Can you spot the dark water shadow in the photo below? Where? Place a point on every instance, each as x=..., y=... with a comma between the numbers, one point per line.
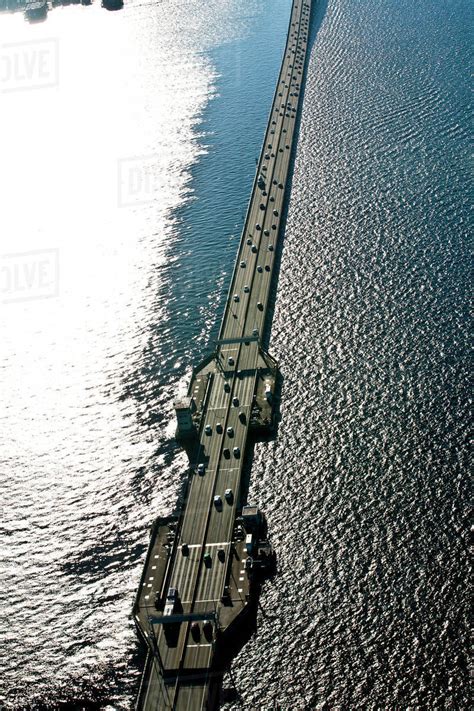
x=98, y=562
x=95, y=692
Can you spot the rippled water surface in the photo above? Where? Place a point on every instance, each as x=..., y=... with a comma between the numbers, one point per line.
x=131, y=174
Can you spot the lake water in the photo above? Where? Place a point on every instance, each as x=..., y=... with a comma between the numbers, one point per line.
x=128, y=148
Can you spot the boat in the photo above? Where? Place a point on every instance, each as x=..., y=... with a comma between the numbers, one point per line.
x=36, y=10
x=112, y=4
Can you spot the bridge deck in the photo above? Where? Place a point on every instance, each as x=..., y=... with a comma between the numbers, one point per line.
x=205, y=528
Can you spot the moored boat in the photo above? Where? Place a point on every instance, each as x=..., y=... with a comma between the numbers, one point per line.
x=36, y=10
x=112, y=4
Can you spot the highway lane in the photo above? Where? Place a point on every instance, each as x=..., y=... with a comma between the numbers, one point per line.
x=221, y=522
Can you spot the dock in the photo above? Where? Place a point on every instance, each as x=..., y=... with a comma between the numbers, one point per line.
x=204, y=567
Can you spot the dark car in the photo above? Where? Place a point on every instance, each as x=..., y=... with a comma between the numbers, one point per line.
x=207, y=629
x=195, y=631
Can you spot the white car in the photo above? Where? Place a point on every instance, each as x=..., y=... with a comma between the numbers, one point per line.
x=228, y=495
x=217, y=502
x=201, y=469
x=230, y=431
x=208, y=429
x=171, y=601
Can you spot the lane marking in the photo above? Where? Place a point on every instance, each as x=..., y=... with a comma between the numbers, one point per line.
x=193, y=646
x=213, y=600
x=207, y=545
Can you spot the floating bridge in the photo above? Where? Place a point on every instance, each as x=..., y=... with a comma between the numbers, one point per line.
x=202, y=568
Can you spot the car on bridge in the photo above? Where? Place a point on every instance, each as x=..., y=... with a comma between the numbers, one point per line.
x=195, y=631
x=172, y=600
x=207, y=629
